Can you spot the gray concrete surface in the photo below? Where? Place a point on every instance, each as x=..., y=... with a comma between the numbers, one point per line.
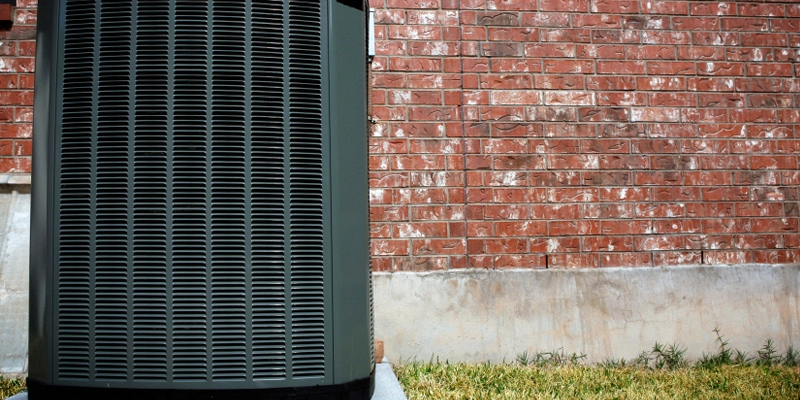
x=14, y=239
x=495, y=315
x=386, y=385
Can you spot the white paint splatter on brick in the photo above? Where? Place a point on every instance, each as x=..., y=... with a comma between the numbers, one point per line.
x=401, y=97
x=410, y=231
x=553, y=245
x=376, y=195
x=510, y=179
x=729, y=83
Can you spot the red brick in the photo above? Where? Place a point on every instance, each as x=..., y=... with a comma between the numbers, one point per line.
x=666, y=37
x=665, y=7
x=707, y=178
x=777, y=256
x=771, y=69
x=507, y=65
x=550, y=50
x=759, y=209
x=764, y=39
x=625, y=194
x=621, y=67
x=658, y=83
x=701, y=53
x=636, y=227
x=574, y=228
x=676, y=194
x=715, y=38
x=553, y=20
x=520, y=261
x=773, y=162
x=745, y=24
x=673, y=99
x=573, y=261
x=607, y=21
x=660, y=210
x=564, y=5
x=711, y=84
x=677, y=226
x=768, y=10
x=493, y=81
x=521, y=229
x=726, y=194
x=623, y=162
x=608, y=211
x=608, y=243
x=568, y=67
x=606, y=36
x=560, y=211
x=720, y=69
x=672, y=130
x=512, y=34
x=562, y=82
x=664, y=259
x=659, y=243
x=727, y=257
x=615, y=6
x=413, y=3
x=671, y=68
x=761, y=241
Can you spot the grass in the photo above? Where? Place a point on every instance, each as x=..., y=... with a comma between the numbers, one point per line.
x=10, y=387
x=662, y=372
x=514, y=381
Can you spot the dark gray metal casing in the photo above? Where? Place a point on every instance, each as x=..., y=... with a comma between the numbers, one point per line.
x=135, y=332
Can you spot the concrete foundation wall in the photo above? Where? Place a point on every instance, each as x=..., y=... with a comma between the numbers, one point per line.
x=15, y=214
x=604, y=313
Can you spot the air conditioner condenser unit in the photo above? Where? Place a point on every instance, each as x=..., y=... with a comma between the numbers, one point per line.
x=200, y=201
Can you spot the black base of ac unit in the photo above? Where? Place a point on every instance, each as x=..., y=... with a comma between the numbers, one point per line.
x=356, y=390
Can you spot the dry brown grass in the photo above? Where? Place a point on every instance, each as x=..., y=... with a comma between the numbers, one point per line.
x=10, y=387
x=463, y=381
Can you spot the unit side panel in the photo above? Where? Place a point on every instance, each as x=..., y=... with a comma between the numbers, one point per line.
x=40, y=328
x=349, y=191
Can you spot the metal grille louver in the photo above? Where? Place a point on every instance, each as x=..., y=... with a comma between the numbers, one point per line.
x=190, y=195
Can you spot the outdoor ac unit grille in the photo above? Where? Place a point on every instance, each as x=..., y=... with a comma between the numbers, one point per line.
x=189, y=194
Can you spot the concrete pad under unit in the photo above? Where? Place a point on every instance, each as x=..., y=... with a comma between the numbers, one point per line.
x=475, y=316
x=386, y=385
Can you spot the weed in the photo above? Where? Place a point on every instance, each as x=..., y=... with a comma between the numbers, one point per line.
x=741, y=358
x=724, y=356
x=642, y=360
x=523, y=359
x=768, y=356
x=614, y=363
x=792, y=358
x=557, y=358
x=668, y=357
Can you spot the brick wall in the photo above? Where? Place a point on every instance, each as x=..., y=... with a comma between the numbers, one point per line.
x=559, y=133
x=584, y=133
x=17, y=51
